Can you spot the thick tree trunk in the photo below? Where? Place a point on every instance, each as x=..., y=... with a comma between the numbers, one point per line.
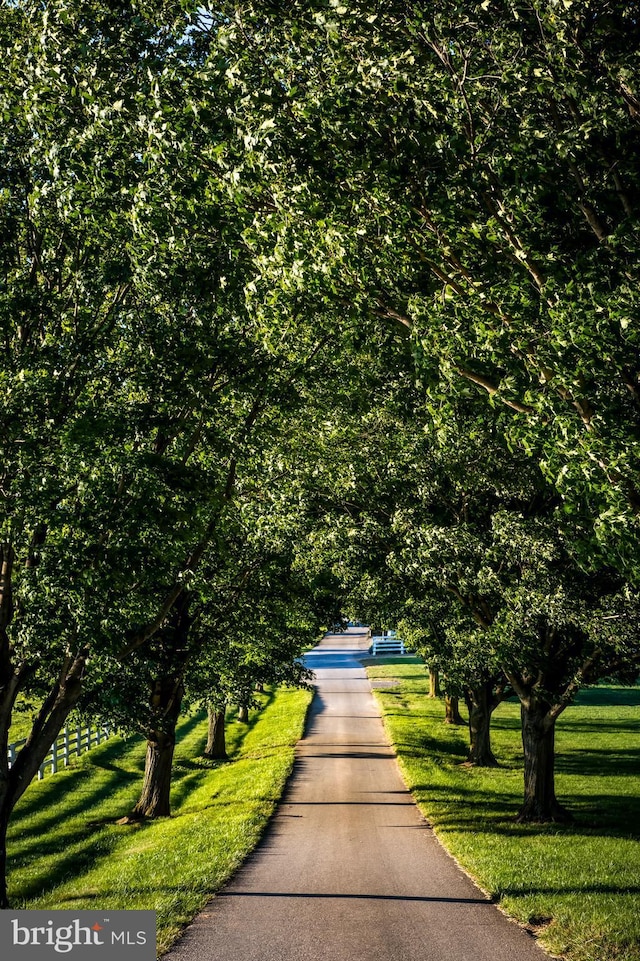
x=166, y=703
x=48, y=723
x=538, y=741
x=434, y=683
x=155, y=798
x=452, y=710
x=216, y=749
x=481, y=706
x=243, y=713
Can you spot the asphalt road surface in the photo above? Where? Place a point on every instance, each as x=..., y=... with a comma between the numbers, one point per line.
x=349, y=870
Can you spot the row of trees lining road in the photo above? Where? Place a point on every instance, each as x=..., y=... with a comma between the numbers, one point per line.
x=313, y=294
x=466, y=548
x=488, y=179
x=143, y=504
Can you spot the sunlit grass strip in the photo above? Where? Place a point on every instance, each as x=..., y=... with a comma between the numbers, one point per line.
x=67, y=851
x=577, y=887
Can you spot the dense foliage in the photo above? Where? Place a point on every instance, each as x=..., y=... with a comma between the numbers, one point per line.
x=308, y=301
x=486, y=164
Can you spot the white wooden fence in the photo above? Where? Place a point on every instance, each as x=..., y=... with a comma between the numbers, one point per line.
x=73, y=740
x=387, y=643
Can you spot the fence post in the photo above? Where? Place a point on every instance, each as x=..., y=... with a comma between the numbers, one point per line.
x=63, y=747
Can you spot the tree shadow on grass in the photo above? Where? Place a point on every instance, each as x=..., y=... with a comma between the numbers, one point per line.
x=602, y=815
x=609, y=696
x=52, y=789
x=477, y=810
x=185, y=785
x=237, y=731
x=25, y=840
x=184, y=729
x=74, y=854
x=147, y=889
x=189, y=773
x=64, y=843
x=599, y=727
x=71, y=857
x=438, y=749
x=610, y=816
x=506, y=722
x=587, y=762
x=70, y=797
x=74, y=843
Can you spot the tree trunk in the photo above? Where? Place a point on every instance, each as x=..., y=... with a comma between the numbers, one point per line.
x=243, y=713
x=452, y=710
x=4, y=824
x=538, y=741
x=52, y=715
x=481, y=706
x=166, y=703
x=155, y=798
x=434, y=683
x=216, y=749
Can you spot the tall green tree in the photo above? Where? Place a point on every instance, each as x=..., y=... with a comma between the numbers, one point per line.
x=467, y=547
x=140, y=359
x=487, y=162
x=83, y=413
x=132, y=372
x=486, y=158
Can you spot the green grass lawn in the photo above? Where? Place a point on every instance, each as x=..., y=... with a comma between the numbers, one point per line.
x=66, y=850
x=578, y=887
x=24, y=713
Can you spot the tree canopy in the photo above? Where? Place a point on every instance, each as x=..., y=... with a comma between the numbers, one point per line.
x=306, y=302
x=486, y=157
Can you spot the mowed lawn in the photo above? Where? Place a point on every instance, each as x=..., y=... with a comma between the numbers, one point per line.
x=577, y=887
x=67, y=851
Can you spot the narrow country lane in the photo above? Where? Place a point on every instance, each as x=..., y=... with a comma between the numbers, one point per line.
x=349, y=870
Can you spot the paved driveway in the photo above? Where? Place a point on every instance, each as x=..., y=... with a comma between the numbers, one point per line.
x=349, y=870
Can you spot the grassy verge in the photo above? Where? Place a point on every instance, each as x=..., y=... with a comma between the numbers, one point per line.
x=66, y=851
x=577, y=887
